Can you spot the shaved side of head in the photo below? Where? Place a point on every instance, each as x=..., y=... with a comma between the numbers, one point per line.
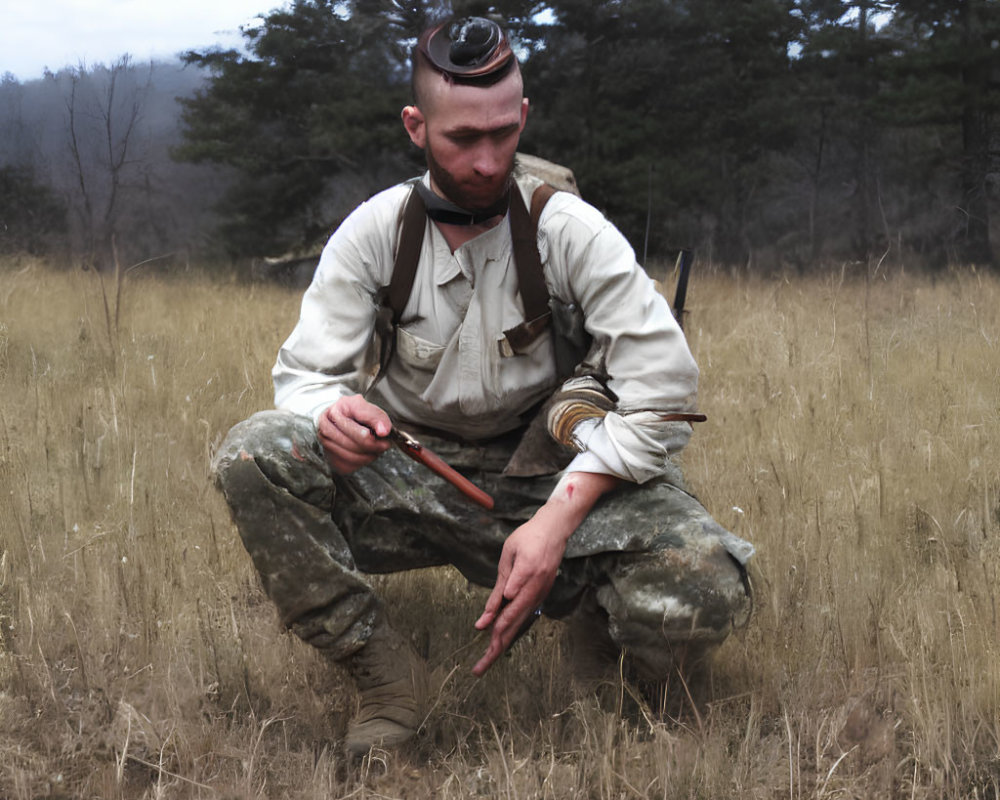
x=426, y=81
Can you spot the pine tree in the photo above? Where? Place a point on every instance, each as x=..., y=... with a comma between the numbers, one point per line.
x=949, y=77
x=316, y=98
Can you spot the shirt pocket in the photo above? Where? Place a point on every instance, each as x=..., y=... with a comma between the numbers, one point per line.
x=524, y=378
x=416, y=352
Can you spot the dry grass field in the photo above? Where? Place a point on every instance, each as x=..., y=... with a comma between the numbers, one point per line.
x=853, y=436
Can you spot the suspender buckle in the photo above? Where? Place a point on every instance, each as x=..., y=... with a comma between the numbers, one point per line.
x=517, y=339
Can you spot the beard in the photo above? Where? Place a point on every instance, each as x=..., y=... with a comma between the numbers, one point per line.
x=474, y=199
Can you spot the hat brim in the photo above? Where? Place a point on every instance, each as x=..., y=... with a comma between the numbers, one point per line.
x=436, y=46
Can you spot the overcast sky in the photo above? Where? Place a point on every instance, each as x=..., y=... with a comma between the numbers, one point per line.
x=35, y=34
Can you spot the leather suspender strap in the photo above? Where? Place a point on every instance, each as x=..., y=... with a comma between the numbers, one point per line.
x=404, y=269
x=538, y=200
x=530, y=276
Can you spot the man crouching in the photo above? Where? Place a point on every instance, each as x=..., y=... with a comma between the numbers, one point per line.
x=475, y=308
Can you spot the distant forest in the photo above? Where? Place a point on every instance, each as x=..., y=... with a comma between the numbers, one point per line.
x=763, y=134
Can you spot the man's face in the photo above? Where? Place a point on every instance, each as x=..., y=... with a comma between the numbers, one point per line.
x=469, y=135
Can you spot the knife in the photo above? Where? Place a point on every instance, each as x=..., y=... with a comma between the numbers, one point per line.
x=436, y=464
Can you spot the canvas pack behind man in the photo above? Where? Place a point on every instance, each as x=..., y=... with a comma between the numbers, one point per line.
x=503, y=326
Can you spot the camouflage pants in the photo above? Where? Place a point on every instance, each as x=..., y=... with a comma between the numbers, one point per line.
x=663, y=573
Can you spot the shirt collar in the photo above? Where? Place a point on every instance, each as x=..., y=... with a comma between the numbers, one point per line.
x=490, y=245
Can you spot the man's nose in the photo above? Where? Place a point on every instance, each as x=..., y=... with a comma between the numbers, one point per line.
x=487, y=161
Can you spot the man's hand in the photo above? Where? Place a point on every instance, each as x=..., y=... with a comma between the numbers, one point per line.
x=528, y=565
x=352, y=432
x=531, y=557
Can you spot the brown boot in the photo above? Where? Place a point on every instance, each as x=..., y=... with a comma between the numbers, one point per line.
x=392, y=680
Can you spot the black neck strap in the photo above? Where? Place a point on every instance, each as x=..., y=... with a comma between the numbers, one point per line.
x=446, y=212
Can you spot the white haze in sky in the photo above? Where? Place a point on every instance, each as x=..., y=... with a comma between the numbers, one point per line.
x=35, y=34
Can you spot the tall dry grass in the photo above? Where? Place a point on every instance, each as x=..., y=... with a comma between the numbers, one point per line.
x=852, y=435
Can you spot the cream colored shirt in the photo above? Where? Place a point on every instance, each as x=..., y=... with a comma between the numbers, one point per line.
x=448, y=371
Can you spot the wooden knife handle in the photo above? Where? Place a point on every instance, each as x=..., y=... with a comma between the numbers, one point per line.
x=436, y=464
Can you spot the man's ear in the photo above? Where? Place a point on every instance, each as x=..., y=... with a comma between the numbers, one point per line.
x=416, y=125
x=524, y=111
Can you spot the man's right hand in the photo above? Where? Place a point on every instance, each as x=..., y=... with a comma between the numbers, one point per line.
x=352, y=432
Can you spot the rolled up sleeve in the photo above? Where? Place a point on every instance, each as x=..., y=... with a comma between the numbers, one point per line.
x=646, y=357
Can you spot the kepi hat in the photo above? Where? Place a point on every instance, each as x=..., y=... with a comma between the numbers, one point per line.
x=470, y=49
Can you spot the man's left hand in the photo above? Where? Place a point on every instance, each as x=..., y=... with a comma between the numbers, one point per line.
x=531, y=557
x=528, y=565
